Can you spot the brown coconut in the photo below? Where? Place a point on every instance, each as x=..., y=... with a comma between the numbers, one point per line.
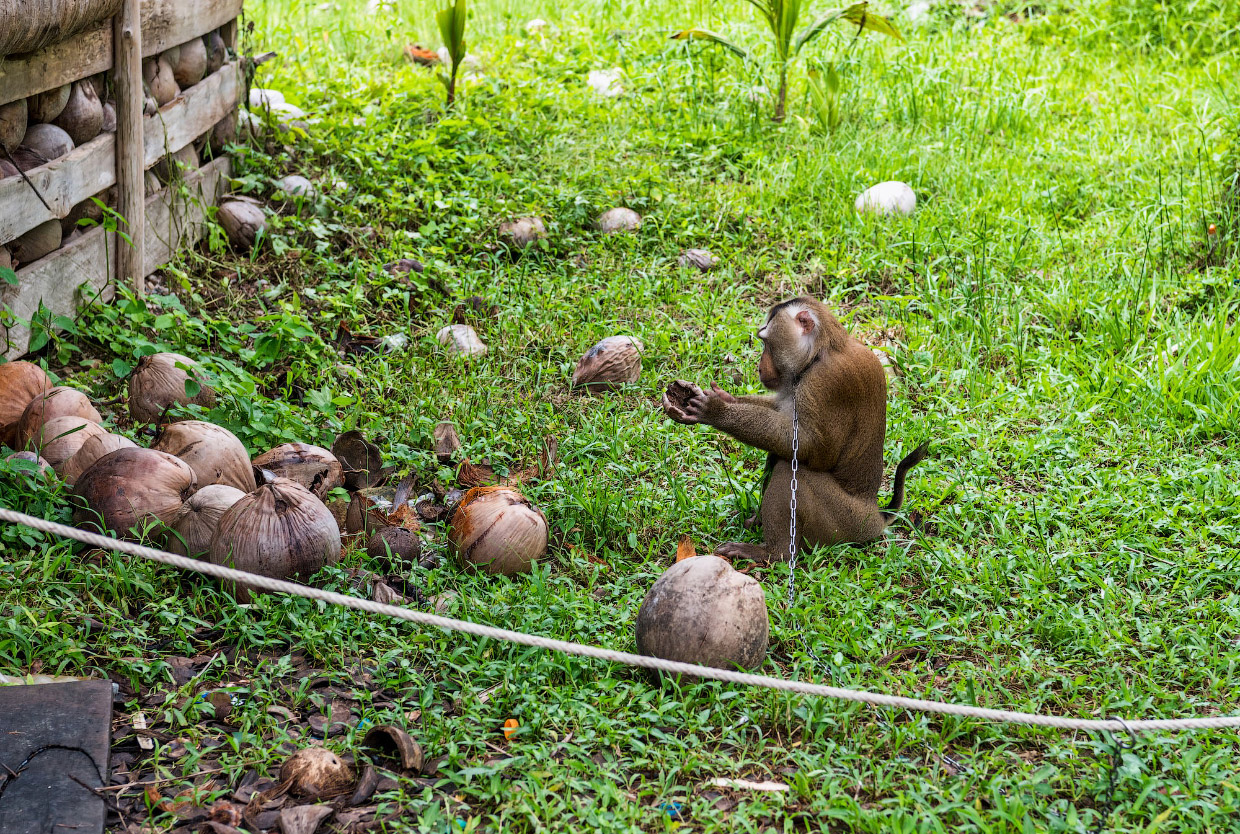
x=177, y=165
x=217, y=51
x=7, y=169
x=82, y=117
x=59, y=439
x=522, y=232
x=87, y=210
x=279, y=530
x=191, y=63
x=93, y=448
x=400, y=544
x=109, y=117
x=60, y=401
x=158, y=80
x=20, y=383
x=498, y=530
x=131, y=487
x=617, y=220
x=190, y=533
x=46, y=106
x=316, y=773
x=39, y=241
x=37, y=464
x=12, y=124
x=224, y=133
x=213, y=452
x=702, y=611
x=48, y=141
x=242, y=221
x=313, y=467
x=611, y=363
x=158, y=383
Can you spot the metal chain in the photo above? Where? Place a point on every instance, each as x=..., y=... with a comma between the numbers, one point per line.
x=1117, y=753
x=792, y=515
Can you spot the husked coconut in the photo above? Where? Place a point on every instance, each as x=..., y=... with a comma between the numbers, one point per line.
x=109, y=117
x=176, y=165
x=522, y=232
x=39, y=241
x=20, y=383
x=33, y=463
x=619, y=220
x=60, y=401
x=190, y=533
x=131, y=487
x=158, y=79
x=461, y=340
x=316, y=773
x=313, y=467
x=159, y=381
x=82, y=117
x=12, y=124
x=295, y=185
x=498, y=530
x=401, y=544
x=93, y=448
x=213, y=452
x=50, y=141
x=190, y=64
x=702, y=611
x=46, y=106
x=59, y=439
x=217, y=51
x=223, y=134
x=242, y=222
x=611, y=363
x=892, y=197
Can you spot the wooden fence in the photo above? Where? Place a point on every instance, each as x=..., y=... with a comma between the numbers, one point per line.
x=158, y=218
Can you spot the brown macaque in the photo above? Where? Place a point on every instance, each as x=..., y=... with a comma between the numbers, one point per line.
x=840, y=395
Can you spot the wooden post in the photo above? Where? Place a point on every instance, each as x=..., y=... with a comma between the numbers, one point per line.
x=130, y=186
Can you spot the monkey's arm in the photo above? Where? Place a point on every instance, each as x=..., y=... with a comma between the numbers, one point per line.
x=760, y=426
x=764, y=400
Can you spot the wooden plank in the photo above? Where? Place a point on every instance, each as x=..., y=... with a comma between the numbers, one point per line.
x=54, y=716
x=190, y=114
x=173, y=221
x=91, y=168
x=64, y=183
x=165, y=23
x=168, y=23
x=130, y=132
x=80, y=56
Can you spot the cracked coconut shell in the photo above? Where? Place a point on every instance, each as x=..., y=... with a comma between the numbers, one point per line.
x=313, y=467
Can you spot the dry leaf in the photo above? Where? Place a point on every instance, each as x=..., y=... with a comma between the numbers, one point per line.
x=385, y=595
x=472, y=475
x=685, y=550
x=446, y=441
x=304, y=819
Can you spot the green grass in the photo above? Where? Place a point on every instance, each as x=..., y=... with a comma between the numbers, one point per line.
x=1066, y=334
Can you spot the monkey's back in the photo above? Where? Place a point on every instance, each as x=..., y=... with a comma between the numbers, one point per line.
x=853, y=408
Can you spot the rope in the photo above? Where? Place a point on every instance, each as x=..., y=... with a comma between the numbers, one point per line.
x=642, y=661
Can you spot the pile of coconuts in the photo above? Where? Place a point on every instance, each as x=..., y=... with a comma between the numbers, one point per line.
x=49, y=125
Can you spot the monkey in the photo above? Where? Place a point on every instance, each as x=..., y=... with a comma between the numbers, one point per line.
x=839, y=391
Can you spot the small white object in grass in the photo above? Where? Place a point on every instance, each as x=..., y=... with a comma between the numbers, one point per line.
x=918, y=11
x=393, y=342
x=536, y=25
x=261, y=97
x=700, y=258
x=461, y=340
x=139, y=723
x=606, y=83
x=758, y=94
x=470, y=65
x=297, y=186
x=376, y=6
x=746, y=785
x=891, y=197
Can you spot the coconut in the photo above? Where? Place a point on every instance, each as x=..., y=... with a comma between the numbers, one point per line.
x=131, y=487
x=158, y=80
x=279, y=530
x=224, y=133
x=400, y=544
x=49, y=141
x=242, y=221
x=33, y=464
x=892, y=197
x=461, y=340
x=213, y=452
x=700, y=258
x=611, y=363
x=20, y=383
x=7, y=169
x=190, y=64
x=82, y=117
x=190, y=533
x=27, y=159
x=176, y=165
x=60, y=438
x=217, y=51
x=12, y=124
x=619, y=220
x=522, y=232
x=108, y=125
x=46, y=106
x=86, y=210
x=39, y=241
x=498, y=530
x=60, y=401
x=313, y=467
x=316, y=773
x=151, y=183
x=158, y=383
x=296, y=186
x=702, y=611
x=93, y=448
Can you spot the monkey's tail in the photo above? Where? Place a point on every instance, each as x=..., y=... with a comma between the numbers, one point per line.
x=897, y=494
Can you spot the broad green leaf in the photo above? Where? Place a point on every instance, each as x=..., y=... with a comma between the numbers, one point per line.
x=856, y=13
x=704, y=35
x=192, y=388
x=8, y=276
x=818, y=27
x=121, y=368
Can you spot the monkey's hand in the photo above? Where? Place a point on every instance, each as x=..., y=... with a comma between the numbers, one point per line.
x=679, y=401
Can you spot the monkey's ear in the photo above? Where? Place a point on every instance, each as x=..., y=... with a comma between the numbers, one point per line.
x=807, y=321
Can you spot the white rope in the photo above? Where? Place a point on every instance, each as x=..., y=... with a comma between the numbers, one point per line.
x=674, y=667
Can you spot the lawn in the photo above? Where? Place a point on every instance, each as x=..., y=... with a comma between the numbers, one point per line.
x=1061, y=312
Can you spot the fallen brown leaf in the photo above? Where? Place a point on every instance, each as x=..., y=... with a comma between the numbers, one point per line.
x=685, y=550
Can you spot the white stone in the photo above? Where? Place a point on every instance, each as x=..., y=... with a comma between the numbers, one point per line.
x=536, y=25
x=297, y=186
x=260, y=97
x=606, y=83
x=461, y=340
x=891, y=197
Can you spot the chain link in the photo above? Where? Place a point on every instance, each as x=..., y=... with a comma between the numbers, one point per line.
x=792, y=515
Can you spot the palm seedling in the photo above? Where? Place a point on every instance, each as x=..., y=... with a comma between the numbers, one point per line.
x=452, y=28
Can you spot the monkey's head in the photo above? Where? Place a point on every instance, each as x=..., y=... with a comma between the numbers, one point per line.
x=793, y=335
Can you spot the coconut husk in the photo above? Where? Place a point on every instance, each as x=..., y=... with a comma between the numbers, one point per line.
x=28, y=25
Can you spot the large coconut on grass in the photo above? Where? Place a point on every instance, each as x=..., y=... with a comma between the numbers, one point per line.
x=498, y=530
x=702, y=611
x=279, y=530
x=130, y=488
x=611, y=363
x=191, y=532
x=93, y=448
x=20, y=383
x=160, y=380
x=213, y=452
x=59, y=439
x=60, y=401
